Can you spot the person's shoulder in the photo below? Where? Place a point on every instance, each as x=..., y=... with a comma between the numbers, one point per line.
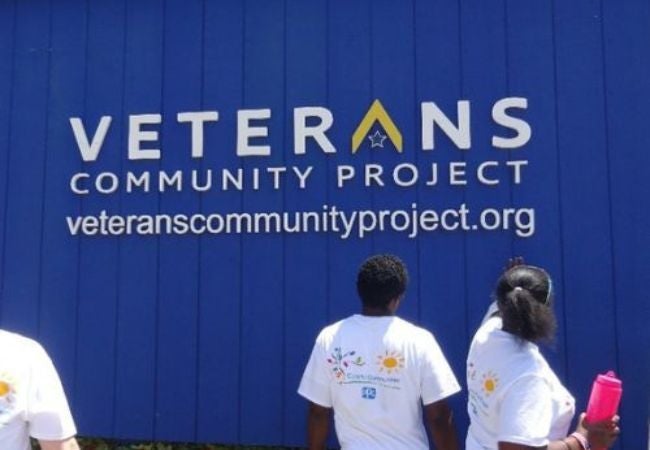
x=21, y=344
x=537, y=361
x=18, y=339
x=490, y=335
x=329, y=331
x=516, y=353
x=491, y=343
x=413, y=331
x=489, y=327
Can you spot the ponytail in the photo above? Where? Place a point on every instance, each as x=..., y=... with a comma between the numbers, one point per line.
x=523, y=294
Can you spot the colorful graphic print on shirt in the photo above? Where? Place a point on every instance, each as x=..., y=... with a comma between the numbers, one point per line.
x=350, y=368
x=489, y=382
x=390, y=361
x=342, y=361
x=478, y=398
x=7, y=396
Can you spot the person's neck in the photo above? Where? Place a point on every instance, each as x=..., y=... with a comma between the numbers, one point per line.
x=376, y=312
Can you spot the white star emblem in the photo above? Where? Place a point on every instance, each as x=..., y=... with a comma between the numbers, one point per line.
x=377, y=139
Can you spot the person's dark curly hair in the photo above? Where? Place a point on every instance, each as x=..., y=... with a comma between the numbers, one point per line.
x=381, y=278
x=523, y=294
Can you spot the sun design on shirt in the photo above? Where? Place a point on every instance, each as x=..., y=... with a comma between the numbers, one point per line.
x=7, y=392
x=390, y=361
x=489, y=382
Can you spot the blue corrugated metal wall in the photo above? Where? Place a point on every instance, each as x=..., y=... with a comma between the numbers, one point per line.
x=190, y=338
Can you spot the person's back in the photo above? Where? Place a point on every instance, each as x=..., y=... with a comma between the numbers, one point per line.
x=498, y=365
x=516, y=402
x=32, y=402
x=377, y=366
x=376, y=371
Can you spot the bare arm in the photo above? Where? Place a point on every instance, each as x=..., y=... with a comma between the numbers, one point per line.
x=555, y=445
x=66, y=444
x=599, y=435
x=440, y=422
x=317, y=426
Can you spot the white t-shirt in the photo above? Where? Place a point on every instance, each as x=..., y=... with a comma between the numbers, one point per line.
x=376, y=372
x=32, y=401
x=514, y=396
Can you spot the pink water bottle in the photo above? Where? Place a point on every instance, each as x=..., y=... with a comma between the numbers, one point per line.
x=605, y=397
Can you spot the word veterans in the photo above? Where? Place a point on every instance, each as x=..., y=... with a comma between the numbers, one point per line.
x=309, y=122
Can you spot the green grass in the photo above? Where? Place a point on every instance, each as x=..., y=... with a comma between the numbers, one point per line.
x=104, y=444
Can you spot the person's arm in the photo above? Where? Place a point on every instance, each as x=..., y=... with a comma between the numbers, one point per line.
x=48, y=415
x=66, y=444
x=318, y=418
x=315, y=388
x=598, y=435
x=555, y=445
x=440, y=422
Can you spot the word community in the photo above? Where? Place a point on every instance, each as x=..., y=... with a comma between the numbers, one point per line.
x=457, y=173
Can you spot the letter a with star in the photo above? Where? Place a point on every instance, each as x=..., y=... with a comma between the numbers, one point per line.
x=376, y=113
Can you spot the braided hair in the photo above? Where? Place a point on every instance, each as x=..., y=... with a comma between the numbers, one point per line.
x=523, y=294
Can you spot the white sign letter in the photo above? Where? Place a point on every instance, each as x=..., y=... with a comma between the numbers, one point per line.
x=460, y=134
x=302, y=131
x=136, y=136
x=74, y=183
x=344, y=173
x=196, y=119
x=245, y=131
x=520, y=126
x=90, y=150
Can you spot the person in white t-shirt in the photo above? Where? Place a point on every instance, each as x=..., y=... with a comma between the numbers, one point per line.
x=516, y=401
x=32, y=401
x=376, y=371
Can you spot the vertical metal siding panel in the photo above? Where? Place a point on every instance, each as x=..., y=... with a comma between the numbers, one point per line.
x=98, y=271
x=588, y=291
x=531, y=75
x=441, y=261
x=179, y=317
x=350, y=97
x=25, y=170
x=135, y=381
x=179, y=264
x=306, y=257
x=627, y=70
x=484, y=81
x=261, y=387
x=392, y=78
x=220, y=264
x=7, y=37
x=60, y=253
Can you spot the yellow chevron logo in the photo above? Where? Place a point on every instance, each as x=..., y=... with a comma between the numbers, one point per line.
x=376, y=113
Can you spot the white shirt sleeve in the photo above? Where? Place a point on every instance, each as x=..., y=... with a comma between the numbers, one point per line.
x=315, y=383
x=526, y=412
x=437, y=378
x=48, y=414
x=493, y=308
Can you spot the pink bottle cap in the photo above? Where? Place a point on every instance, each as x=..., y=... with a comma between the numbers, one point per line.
x=609, y=379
